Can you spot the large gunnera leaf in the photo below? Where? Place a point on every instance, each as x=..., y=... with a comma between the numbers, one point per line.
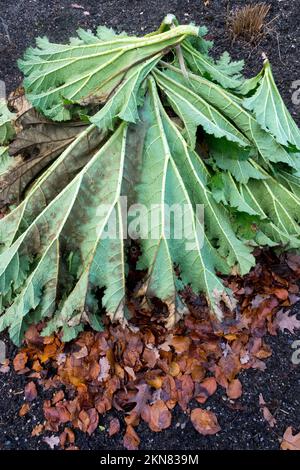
x=57, y=74
x=168, y=178
x=183, y=154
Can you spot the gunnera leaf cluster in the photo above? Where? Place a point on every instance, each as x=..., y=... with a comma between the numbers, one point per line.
x=158, y=120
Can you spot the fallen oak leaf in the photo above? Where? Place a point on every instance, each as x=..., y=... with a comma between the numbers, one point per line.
x=36, y=366
x=284, y=321
x=49, y=351
x=205, y=422
x=30, y=391
x=290, y=441
x=141, y=399
x=266, y=412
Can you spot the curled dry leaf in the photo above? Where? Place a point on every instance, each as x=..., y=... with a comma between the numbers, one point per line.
x=284, y=321
x=157, y=416
x=290, y=441
x=88, y=420
x=30, y=391
x=205, y=389
x=114, y=427
x=174, y=369
x=58, y=396
x=20, y=361
x=205, y=422
x=67, y=437
x=234, y=389
x=24, y=409
x=131, y=440
x=181, y=344
x=37, y=430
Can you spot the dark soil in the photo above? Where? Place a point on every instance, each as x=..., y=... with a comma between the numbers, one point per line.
x=242, y=424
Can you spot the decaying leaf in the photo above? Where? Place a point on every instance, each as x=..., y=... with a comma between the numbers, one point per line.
x=205, y=389
x=131, y=440
x=205, y=422
x=24, y=409
x=114, y=427
x=37, y=430
x=157, y=416
x=20, y=361
x=288, y=322
x=30, y=391
x=67, y=437
x=234, y=389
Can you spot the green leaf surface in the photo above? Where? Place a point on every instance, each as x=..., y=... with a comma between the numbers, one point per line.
x=77, y=71
x=271, y=112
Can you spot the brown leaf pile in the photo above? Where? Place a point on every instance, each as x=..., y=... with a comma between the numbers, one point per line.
x=145, y=370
